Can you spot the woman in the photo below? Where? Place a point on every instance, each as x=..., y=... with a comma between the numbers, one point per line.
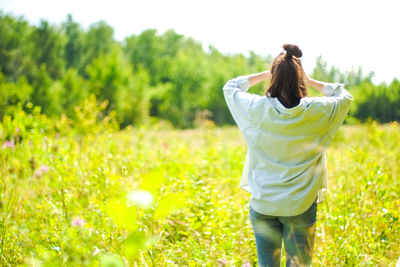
x=285, y=171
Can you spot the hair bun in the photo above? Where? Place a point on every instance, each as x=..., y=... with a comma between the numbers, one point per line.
x=292, y=50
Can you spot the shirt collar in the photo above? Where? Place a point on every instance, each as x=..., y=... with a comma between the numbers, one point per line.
x=284, y=110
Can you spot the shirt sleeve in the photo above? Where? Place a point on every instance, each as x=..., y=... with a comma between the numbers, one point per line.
x=340, y=101
x=240, y=103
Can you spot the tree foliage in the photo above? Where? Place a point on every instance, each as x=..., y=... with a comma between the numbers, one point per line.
x=146, y=77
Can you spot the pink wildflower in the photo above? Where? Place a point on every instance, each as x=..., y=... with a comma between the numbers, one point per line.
x=44, y=168
x=8, y=144
x=247, y=264
x=77, y=222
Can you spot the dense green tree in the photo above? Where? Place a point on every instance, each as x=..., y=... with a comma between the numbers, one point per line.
x=144, y=50
x=74, y=47
x=186, y=95
x=75, y=91
x=97, y=41
x=46, y=94
x=380, y=102
x=49, y=48
x=111, y=78
x=148, y=51
x=106, y=76
x=16, y=48
x=133, y=100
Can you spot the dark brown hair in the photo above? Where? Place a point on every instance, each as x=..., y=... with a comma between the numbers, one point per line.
x=287, y=81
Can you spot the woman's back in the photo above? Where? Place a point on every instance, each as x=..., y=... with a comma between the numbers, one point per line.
x=285, y=164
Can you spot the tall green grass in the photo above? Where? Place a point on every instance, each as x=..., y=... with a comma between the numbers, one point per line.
x=154, y=197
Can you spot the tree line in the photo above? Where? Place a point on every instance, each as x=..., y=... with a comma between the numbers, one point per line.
x=145, y=77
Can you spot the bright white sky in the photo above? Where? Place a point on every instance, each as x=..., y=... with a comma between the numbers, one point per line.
x=347, y=33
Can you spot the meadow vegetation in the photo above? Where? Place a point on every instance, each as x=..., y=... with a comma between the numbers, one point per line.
x=155, y=196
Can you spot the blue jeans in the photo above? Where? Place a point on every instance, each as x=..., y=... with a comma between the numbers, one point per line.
x=297, y=232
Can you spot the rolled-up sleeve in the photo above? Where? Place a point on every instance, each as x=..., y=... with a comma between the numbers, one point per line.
x=240, y=103
x=340, y=100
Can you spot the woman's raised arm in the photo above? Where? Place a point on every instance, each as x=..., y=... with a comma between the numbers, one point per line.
x=259, y=77
x=314, y=83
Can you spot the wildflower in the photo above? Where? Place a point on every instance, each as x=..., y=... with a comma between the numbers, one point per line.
x=77, y=222
x=247, y=264
x=42, y=170
x=8, y=144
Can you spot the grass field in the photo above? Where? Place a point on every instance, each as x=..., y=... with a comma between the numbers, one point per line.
x=151, y=197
